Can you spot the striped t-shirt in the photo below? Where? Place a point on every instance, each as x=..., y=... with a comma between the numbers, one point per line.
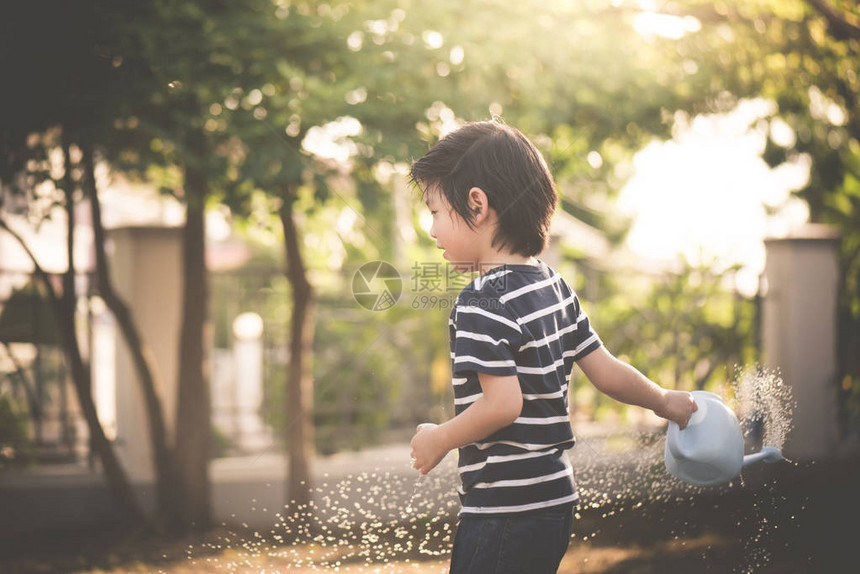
x=521, y=320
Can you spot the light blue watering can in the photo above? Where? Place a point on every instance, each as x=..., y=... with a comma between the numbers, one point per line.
x=710, y=450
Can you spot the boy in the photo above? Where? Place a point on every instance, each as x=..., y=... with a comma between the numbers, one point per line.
x=515, y=332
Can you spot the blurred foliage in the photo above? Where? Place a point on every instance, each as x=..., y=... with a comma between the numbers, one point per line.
x=16, y=448
x=370, y=363
x=687, y=330
x=373, y=370
x=222, y=445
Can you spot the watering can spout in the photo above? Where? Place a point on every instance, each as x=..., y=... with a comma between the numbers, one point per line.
x=766, y=454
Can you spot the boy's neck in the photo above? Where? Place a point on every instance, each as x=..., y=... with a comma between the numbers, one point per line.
x=499, y=259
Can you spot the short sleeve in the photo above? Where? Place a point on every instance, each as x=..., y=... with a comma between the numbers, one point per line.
x=486, y=336
x=584, y=339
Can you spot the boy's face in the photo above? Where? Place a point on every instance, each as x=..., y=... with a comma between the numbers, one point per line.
x=452, y=234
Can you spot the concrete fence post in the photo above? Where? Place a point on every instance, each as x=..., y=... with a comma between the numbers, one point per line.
x=799, y=333
x=146, y=264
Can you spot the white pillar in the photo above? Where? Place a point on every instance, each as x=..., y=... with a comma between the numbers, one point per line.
x=799, y=334
x=146, y=263
x=252, y=434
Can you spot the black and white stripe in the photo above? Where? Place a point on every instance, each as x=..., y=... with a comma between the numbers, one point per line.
x=526, y=321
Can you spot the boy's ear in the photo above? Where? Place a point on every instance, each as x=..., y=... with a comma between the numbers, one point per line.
x=478, y=204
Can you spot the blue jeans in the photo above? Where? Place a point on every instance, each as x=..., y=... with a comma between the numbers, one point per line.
x=533, y=543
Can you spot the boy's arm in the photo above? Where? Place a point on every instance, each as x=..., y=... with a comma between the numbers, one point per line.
x=624, y=383
x=498, y=406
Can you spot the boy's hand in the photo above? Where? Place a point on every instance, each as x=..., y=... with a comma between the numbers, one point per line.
x=427, y=448
x=677, y=407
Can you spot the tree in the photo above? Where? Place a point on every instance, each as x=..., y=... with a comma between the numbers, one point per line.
x=301, y=85
x=106, y=75
x=48, y=115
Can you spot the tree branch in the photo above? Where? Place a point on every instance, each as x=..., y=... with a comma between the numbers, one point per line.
x=26, y=380
x=39, y=272
x=840, y=27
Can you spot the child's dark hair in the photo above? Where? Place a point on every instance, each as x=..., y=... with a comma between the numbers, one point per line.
x=501, y=161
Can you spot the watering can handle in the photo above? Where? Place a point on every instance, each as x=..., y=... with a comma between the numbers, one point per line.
x=673, y=437
x=672, y=440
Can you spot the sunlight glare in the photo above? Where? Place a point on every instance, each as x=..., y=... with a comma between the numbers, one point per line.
x=702, y=195
x=425, y=220
x=332, y=141
x=433, y=39
x=457, y=55
x=218, y=226
x=823, y=108
x=651, y=24
x=443, y=116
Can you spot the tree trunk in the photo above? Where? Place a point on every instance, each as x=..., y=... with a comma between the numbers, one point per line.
x=193, y=427
x=115, y=476
x=299, y=429
x=144, y=361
